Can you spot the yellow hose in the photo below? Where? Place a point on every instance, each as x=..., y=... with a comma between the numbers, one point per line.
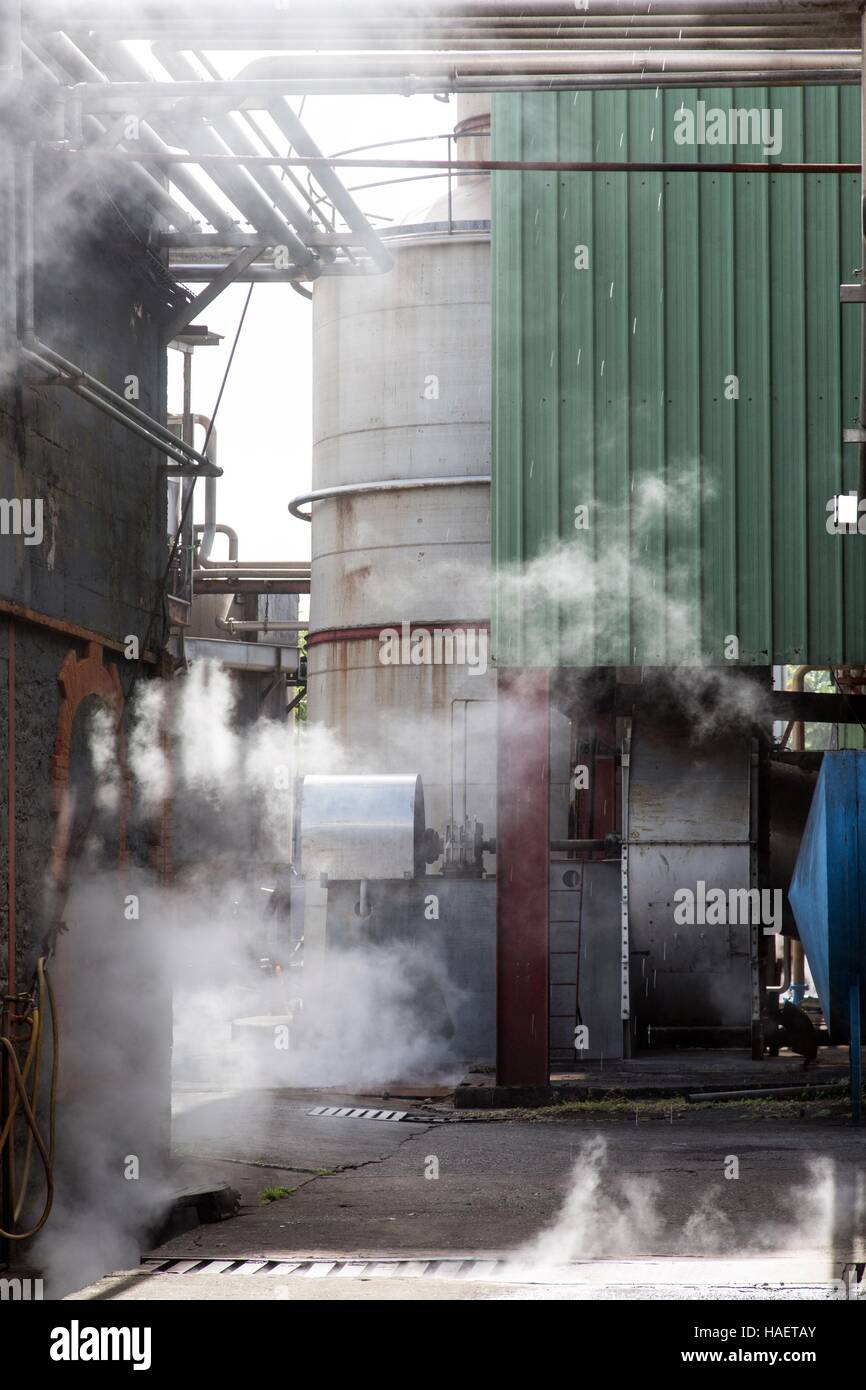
x=28, y=1103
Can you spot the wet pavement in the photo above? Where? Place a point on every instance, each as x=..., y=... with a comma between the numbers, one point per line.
x=734, y=1202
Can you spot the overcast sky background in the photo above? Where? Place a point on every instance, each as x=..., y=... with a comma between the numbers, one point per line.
x=264, y=421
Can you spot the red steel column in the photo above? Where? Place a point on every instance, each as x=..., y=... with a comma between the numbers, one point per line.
x=522, y=860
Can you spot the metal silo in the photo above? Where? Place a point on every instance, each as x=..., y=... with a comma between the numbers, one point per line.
x=402, y=407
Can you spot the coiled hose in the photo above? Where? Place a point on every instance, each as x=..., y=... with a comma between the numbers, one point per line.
x=28, y=1101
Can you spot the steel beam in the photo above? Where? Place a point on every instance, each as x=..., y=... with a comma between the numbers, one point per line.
x=187, y=312
x=522, y=872
x=263, y=658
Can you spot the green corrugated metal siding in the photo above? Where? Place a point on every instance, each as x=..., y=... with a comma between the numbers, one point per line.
x=707, y=516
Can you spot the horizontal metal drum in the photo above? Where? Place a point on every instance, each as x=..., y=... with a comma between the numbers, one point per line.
x=362, y=827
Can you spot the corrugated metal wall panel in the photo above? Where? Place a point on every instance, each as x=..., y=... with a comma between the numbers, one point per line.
x=707, y=516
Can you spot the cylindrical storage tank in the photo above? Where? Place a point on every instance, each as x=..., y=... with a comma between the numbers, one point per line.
x=402, y=394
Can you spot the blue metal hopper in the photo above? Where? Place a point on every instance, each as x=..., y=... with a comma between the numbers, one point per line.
x=828, y=896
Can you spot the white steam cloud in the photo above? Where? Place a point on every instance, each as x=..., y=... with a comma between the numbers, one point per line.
x=208, y=936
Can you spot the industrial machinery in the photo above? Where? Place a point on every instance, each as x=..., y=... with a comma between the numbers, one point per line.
x=364, y=851
x=827, y=896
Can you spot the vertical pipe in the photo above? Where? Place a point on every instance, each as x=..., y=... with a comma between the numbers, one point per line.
x=11, y=979
x=522, y=873
x=11, y=867
x=861, y=472
x=8, y=262
x=187, y=484
x=10, y=42
x=855, y=1058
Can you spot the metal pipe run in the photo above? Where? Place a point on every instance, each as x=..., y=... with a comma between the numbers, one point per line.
x=238, y=141
x=260, y=18
x=598, y=35
x=72, y=59
x=207, y=583
x=277, y=568
x=268, y=79
x=195, y=272
x=185, y=128
x=222, y=530
x=383, y=485
x=180, y=455
x=234, y=625
x=423, y=65
x=262, y=197
x=286, y=120
x=99, y=395
x=208, y=531
x=480, y=166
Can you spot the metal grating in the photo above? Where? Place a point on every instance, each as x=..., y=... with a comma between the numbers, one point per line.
x=452, y=1267
x=361, y=1112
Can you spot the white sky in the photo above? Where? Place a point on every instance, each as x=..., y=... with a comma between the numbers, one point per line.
x=264, y=421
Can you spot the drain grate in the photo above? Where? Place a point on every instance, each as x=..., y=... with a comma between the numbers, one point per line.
x=453, y=1267
x=361, y=1112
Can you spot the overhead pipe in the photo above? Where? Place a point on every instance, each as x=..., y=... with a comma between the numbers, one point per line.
x=290, y=125
x=254, y=125
x=239, y=187
x=205, y=204
x=161, y=15
x=194, y=272
x=305, y=259
x=424, y=64
x=408, y=86
x=267, y=79
x=579, y=29
x=234, y=625
x=285, y=568
x=74, y=60
x=489, y=166
x=594, y=39
x=147, y=185
x=237, y=140
x=243, y=582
